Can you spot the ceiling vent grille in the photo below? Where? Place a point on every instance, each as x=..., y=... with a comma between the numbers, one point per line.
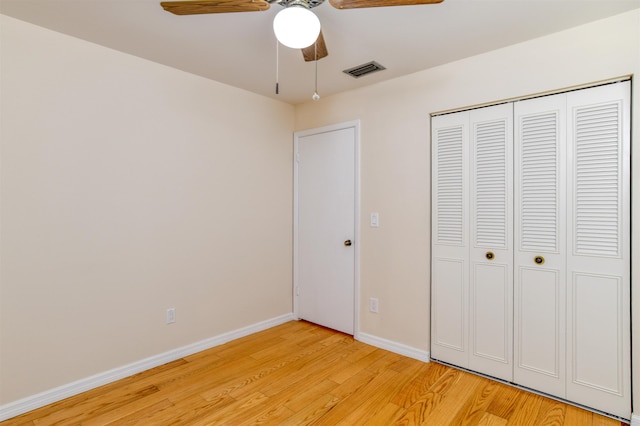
x=364, y=69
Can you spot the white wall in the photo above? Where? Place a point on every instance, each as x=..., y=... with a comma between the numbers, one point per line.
x=395, y=154
x=128, y=187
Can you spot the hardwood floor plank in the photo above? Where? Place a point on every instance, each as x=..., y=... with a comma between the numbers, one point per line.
x=473, y=411
x=405, y=364
x=143, y=415
x=262, y=408
x=505, y=402
x=409, y=366
x=202, y=378
x=18, y=421
x=313, y=412
x=527, y=410
x=599, y=420
x=312, y=374
x=311, y=334
x=359, y=406
x=421, y=382
x=382, y=363
x=550, y=413
x=116, y=390
x=417, y=412
x=198, y=373
x=96, y=406
x=353, y=384
x=299, y=369
x=273, y=415
x=489, y=419
x=248, y=344
x=308, y=395
x=275, y=348
x=272, y=371
x=446, y=381
x=359, y=350
x=303, y=374
x=379, y=399
x=456, y=398
x=385, y=416
x=432, y=392
x=351, y=368
x=231, y=413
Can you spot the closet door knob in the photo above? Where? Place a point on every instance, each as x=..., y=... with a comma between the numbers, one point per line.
x=489, y=255
x=539, y=260
x=347, y=243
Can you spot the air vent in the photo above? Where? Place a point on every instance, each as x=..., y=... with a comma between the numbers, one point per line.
x=364, y=69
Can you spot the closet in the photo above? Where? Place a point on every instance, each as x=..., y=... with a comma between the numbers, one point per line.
x=531, y=244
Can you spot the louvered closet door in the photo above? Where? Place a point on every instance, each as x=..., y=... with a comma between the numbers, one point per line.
x=450, y=236
x=598, y=261
x=491, y=249
x=533, y=285
x=539, y=264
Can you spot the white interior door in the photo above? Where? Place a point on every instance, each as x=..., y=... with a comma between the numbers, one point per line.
x=325, y=224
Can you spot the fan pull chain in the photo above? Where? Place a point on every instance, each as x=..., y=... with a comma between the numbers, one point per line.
x=277, y=67
x=315, y=96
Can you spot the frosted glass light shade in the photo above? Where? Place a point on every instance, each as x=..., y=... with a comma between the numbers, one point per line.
x=296, y=27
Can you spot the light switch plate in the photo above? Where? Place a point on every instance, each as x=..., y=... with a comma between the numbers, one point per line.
x=373, y=305
x=375, y=220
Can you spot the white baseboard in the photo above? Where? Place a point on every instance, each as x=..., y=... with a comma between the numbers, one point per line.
x=395, y=347
x=635, y=420
x=22, y=406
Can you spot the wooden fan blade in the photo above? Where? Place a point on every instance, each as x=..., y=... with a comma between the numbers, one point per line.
x=213, y=6
x=353, y=4
x=309, y=53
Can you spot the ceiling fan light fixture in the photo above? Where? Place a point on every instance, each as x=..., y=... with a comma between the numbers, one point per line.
x=296, y=27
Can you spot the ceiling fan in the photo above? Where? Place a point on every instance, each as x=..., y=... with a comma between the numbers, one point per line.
x=313, y=49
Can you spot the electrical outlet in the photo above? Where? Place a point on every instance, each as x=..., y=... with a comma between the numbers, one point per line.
x=373, y=305
x=171, y=315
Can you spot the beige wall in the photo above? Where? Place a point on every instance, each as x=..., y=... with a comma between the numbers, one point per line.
x=395, y=153
x=126, y=188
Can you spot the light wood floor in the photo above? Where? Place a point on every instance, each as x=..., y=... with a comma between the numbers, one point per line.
x=298, y=374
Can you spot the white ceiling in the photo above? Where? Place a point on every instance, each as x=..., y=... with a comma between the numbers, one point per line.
x=239, y=49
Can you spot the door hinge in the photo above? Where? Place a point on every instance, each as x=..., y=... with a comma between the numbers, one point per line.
x=297, y=291
x=297, y=157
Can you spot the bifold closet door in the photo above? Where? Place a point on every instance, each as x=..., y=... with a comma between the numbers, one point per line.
x=572, y=258
x=472, y=321
x=531, y=244
x=598, y=249
x=491, y=246
x=450, y=239
x=539, y=262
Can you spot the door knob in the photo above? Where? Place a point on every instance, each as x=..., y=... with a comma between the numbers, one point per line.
x=347, y=243
x=539, y=260
x=489, y=255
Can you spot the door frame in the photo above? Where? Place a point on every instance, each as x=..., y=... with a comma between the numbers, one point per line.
x=355, y=125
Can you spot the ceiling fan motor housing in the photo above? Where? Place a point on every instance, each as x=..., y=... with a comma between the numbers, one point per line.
x=309, y=4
